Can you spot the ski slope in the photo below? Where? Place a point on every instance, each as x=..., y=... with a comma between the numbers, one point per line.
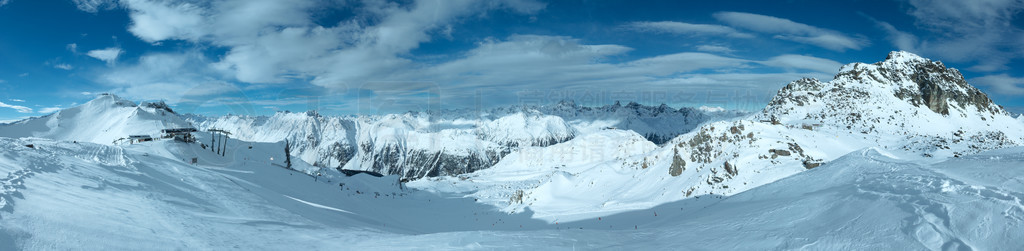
x=62, y=195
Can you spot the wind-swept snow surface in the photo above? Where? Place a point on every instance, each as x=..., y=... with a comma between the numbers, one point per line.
x=62, y=195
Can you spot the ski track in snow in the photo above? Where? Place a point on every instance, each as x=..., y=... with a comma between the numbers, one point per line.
x=317, y=205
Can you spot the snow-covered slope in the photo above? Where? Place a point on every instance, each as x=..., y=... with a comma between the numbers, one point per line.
x=102, y=121
x=62, y=195
x=867, y=200
x=906, y=105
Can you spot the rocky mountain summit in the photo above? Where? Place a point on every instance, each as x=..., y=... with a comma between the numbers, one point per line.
x=906, y=96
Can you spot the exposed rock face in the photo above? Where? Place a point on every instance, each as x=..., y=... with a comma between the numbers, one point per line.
x=335, y=153
x=938, y=87
x=810, y=164
x=731, y=169
x=418, y=163
x=678, y=165
x=160, y=105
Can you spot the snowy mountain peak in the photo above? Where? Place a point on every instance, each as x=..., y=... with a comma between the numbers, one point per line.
x=567, y=103
x=904, y=56
x=104, y=120
x=903, y=83
x=110, y=100
x=927, y=106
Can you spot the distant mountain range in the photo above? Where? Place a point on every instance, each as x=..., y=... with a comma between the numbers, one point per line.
x=420, y=144
x=906, y=104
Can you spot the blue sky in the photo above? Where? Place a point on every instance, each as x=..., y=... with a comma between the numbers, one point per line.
x=372, y=56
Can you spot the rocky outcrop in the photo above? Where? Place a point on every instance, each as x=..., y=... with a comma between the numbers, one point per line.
x=937, y=87
x=678, y=164
x=159, y=105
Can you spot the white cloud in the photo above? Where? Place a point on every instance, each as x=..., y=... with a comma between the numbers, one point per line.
x=376, y=51
x=529, y=60
x=902, y=40
x=72, y=47
x=788, y=30
x=684, y=62
x=48, y=110
x=672, y=27
x=272, y=41
x=93, y=6
x=714, y=48
x=1001, y=84
x=964, y=16
x=63, y=66
x=533, y=62
x=4, y=2
x=108, y=55
x=804, y=62
x=17, y=100
x=19, y=108
x=560, y=63
x=170, y=76
x=980, y=32
x=154, y=21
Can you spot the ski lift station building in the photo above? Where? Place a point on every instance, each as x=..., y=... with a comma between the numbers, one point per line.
x=180, y=134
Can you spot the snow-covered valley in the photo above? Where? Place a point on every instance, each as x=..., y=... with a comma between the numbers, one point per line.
x=899, y=154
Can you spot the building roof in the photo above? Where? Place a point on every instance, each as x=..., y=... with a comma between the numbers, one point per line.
x=179, y=130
